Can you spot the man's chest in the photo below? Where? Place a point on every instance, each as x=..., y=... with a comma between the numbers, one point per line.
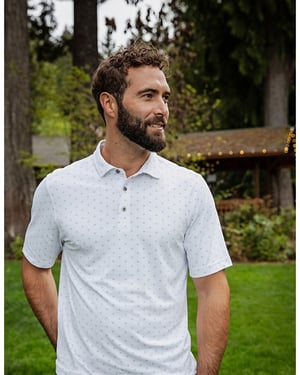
x=148, y=213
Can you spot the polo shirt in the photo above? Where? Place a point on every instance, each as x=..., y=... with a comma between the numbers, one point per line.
x=127, y=245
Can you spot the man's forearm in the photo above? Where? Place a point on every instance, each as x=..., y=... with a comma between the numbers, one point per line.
x=41, y=292
x=212, y=326
x=212, y=322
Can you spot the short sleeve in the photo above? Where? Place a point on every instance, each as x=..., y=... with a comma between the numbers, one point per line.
x=42, y=244
x=204, y=241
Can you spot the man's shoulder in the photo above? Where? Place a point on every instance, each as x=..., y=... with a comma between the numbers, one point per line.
x=78, y=169
x=178, y=170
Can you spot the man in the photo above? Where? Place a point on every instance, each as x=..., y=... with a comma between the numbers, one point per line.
x=130, y=225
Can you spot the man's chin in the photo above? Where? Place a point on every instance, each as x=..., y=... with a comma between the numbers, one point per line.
x=156, y=145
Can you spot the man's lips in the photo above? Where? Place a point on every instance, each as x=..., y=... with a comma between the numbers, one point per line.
x=157, y=123
x=157, y=126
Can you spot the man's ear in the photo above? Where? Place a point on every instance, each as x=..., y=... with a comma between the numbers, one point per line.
x=109, y=104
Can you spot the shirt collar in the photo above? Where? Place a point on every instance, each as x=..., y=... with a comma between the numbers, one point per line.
x=101, y=165
x=150, y=167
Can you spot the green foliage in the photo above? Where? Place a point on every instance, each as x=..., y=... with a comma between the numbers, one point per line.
x=46, y=85
x=191, y=111
x=62, y=104
x=79, y=109
x=260, y=234
x=230, y=184
x=26, y=158
x=234, y=42
x=15, y=250
x=29, y=161
x=50, y=60
x=44, y=170
x=251, y=24
x=43, y=46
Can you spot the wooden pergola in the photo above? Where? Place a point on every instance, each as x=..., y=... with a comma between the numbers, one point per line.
x=239, y=149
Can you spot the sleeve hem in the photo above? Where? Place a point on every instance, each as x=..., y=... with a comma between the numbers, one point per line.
x=210, y=269
x=39, y=264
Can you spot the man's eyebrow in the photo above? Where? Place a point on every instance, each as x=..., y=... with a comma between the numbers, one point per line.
x=154, y=91
x=147, y=90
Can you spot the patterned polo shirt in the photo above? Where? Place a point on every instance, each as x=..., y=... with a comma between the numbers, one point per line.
x=127, y=245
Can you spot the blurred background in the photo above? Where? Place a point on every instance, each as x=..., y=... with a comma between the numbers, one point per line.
x=232, y=119
x=232, y=80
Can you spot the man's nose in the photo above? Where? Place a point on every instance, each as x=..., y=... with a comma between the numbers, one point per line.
x=162, y=108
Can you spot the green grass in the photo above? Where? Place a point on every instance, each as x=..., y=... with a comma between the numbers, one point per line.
x=262, y=334
x=27, y=349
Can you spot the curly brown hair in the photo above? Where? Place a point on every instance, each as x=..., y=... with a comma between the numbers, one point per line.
x=111, y=73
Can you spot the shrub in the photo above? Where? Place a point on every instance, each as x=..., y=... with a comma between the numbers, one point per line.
x=15, y=250
x=260, y=234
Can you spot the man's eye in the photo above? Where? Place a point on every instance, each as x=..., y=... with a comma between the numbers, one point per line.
x=166, y=98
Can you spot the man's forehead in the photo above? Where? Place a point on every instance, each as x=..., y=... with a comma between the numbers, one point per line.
x=146, y=74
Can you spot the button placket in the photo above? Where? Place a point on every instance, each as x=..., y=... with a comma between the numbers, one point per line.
x=125, y=200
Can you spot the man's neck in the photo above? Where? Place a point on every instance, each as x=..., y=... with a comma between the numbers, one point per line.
x=125, y=155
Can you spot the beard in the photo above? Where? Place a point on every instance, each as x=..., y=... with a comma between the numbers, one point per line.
x=136, y=130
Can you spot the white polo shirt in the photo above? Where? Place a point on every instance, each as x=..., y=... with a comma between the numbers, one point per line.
x=127, y=245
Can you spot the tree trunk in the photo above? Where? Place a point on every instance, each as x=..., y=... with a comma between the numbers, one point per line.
x=85, y=48
x=19, y=179
x=276, y=96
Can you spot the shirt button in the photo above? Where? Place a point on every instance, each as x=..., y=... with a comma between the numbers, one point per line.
x=117, y=170
x=124, y=209
x=125, y=188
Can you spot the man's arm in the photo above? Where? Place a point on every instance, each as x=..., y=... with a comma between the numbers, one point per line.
x=212, y=321
x=41, y=292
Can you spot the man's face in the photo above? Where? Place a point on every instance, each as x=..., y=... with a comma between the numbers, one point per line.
x=143, y=114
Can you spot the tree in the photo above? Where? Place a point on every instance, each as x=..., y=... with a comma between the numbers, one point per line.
x=80, y=112
x=277, y=87
x=85, y=48
x=251, y=59
x=19, y=179
x=271, y=50
x=50, y=61
x=44, y=47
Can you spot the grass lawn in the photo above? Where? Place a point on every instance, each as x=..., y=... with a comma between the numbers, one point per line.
x=262, y=335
